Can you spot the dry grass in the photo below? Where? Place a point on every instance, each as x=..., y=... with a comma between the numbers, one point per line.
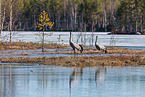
x=123, y=60
x=80, y=61
x=28, y=45
x=124, y=51
x=92, y=50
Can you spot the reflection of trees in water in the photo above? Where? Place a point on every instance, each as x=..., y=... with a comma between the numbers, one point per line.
x=12, y=78
x=43, y=77
x=6, y=83
x=100, y=75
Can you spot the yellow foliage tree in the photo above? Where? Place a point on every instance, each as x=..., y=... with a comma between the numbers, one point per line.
x=42, y=23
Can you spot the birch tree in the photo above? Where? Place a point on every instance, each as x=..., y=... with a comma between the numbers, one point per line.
x=2, y=14
x=0, y=18
x=11, y=18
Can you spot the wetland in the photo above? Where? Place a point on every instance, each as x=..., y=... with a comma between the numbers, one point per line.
x=26, y=71
x=58, y=54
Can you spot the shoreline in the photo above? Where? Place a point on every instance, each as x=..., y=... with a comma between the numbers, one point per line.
x=133, y=57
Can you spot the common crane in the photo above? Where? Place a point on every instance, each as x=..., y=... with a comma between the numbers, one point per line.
x=75, y=45
x=100, y=46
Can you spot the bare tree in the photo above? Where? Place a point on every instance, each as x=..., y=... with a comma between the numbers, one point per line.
x=11, y=18
x=2, y=14
x=0, y=18
x=105, y=15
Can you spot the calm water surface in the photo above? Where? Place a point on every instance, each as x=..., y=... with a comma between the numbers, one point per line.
x=56, y=81
x=103, y=38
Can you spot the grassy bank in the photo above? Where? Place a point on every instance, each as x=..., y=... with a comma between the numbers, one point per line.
x=80, y=61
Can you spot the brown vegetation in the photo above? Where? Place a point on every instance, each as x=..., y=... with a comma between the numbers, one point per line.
x=28, y=45
x=134, y=57
x=87, y=50
x=80, y=61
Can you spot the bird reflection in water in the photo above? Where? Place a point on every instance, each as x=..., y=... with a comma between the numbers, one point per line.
x=75, y=76
x=100, y=75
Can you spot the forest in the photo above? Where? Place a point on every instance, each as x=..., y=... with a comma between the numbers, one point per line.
x=73, y=15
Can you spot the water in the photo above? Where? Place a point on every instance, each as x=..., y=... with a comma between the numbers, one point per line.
x=126, y=41
x=53, y=53
x=34, y=80
x=56, y=81
x=103, y=38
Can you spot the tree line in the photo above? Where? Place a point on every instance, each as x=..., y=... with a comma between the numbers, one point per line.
x=74, y=15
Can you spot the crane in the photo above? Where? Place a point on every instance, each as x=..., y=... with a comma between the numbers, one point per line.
x=75, y=45
x=100, y=46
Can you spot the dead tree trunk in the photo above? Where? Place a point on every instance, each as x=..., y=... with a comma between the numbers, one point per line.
x=11, y=19
x=0, y=18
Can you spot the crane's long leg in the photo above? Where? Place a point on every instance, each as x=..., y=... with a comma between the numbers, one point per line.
x=74, y=53
x=75, y=56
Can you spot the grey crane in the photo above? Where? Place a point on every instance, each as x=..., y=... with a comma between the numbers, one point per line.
x=75, y=45
x=100, y=46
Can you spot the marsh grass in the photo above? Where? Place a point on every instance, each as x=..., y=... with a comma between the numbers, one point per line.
x=134, y=57
x=28, y=45
x=87, y=50
x=83, y=61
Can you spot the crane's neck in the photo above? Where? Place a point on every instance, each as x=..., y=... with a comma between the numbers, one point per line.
x=96, y=39
x=70, y=37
